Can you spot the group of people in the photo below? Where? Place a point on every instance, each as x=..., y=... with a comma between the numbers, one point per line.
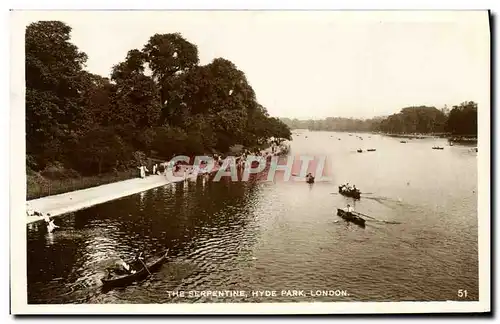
x=188, y=170
x=348, y=188
x=143, y=170
x=49, y=222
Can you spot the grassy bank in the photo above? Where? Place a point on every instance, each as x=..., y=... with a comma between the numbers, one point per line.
x=39, y=185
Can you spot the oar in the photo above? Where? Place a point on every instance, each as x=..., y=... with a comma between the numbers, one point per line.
x=366, y=215
x=144, y=264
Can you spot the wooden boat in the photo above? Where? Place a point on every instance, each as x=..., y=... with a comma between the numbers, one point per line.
x=351, y=217
x=360, y=151
x=139, y=275
x=438, y=148
x=371, y=150
x=402, y=141
x=353, y=193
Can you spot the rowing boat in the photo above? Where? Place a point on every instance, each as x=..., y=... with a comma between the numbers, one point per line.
x=351, y=217
x=352, y=193
x=139, y=275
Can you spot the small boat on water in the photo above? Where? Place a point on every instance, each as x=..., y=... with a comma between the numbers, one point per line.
x=360, y=151
x=402, y=141
x=371, y=150
x=140, y=274
x=437, y=148
x=351, y=217
x=352, y=193
x=309, y=178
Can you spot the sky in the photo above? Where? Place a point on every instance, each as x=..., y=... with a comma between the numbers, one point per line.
x=311, y=64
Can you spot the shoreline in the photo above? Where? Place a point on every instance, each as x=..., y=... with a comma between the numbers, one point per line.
x=61, y=204
x=450, y=137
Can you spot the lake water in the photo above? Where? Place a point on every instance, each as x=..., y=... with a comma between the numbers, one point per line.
x=275, y=236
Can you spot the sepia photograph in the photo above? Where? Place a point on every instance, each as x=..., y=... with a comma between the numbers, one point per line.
x=252, y=161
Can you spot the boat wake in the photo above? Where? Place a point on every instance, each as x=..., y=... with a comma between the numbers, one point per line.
x=386, y=201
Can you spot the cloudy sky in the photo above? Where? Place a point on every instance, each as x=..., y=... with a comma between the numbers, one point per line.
x=311, y=64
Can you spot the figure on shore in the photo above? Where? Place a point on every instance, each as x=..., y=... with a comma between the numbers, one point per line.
x=31, y=212
x=143, y=171
x=49, y=222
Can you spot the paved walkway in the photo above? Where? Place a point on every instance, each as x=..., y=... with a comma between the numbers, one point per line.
x=72, y=201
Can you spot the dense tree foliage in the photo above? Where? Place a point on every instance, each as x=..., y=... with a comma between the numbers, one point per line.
x=158, y=101
x=421, y=120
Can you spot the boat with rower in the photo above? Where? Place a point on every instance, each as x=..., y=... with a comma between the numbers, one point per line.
x=143, y=270
x=351, y=217
x=309, y=178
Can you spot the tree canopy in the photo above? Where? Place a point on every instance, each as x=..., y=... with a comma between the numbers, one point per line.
x=158, y=100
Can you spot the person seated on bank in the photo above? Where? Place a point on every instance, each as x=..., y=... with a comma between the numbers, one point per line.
x=31, y=212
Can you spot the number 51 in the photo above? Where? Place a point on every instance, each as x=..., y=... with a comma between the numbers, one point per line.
x=462, y=293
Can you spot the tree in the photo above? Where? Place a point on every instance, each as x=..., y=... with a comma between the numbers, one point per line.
x=101, y=150
x=168, y=57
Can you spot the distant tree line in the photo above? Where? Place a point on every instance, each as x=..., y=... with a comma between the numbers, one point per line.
x=158, y=102
x=461, y=120
x=333, y=124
